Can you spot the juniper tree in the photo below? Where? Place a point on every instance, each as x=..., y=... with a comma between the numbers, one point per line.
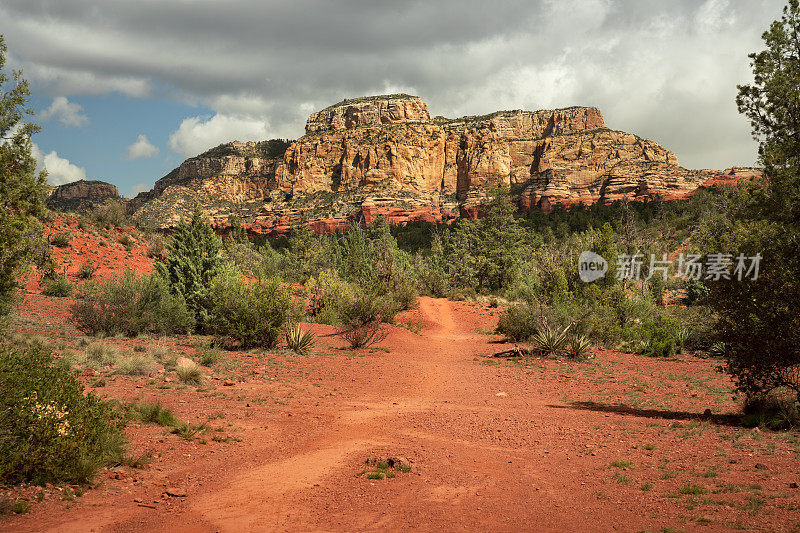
x=192, y=260
x=483, y=253
x=760, y=323
x=22, y=189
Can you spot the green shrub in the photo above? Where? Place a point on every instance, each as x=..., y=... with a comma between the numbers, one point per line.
x=131, y=305
x=250, y=315
x=60, y=287
x=430, y=271
x=774, y=410
x=101, y=354
x=656, y=336
x=361, y=315
x=156, y=248
x=165, y=356
x=248, y=258
x=9, y=506
x=191, y=262
x=52, y=432
x=208, y=355
x=656, y=347
x=112, y=213
x=24, y=188
x=134, y=364
x=758, y=318
x=519, y=322
x=87, y=269
x=599, y=318
x=549, y=340
x=462, y=294
x=717, y=350
x=577, y=347
x=696, y=292
x=403, y=294
x=153, y=413
x=697, y=323
x=61, y=240
x=127, y=242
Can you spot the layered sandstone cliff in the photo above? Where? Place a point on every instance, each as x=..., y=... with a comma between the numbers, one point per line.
x=82, y=195
x=369, y=111
x=386, y=155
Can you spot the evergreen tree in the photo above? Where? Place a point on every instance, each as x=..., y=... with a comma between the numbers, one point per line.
x=191, y=262
x=305, y=253
x=483, y=253
x=21, y=188
x=760, y=323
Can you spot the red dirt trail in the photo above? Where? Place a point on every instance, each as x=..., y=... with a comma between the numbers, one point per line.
x=494, y=448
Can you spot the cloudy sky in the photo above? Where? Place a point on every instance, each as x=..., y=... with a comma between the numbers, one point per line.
x=125, y=90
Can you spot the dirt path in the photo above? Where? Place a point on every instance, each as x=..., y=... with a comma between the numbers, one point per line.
x=493, y=447
x=434, y=405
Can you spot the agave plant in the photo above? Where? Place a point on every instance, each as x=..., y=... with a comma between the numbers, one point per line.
x=299, y=340
x=578, y=347
x=644, y=347
x=680, y=339
x=718, y=349
x=550, y=341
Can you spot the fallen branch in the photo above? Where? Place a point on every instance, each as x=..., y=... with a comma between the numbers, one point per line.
x=516, y=351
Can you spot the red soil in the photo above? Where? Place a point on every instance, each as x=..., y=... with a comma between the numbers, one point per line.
x=100, y=246
x=497, y=445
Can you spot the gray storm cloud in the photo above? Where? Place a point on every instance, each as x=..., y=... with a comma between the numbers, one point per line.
x=664, y=70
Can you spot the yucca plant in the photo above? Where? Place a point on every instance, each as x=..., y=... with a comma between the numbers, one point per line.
x=578, y=347
x=644, y=347
x=718, y=349
x=550, y=341
x=298, y=340
x=680, y=339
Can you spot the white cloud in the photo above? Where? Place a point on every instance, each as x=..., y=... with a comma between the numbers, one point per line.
x=82, y=82
x=665, y=70
x=59, y=169
x=714, y=15
x=197, y=134
x=142, y=148
x=66, y=112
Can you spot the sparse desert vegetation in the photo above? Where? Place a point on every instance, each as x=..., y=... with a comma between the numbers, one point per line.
x=448, y=372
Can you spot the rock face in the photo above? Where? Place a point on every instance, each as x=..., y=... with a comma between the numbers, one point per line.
x=232, y=179
x=82, y=195
x=385, y=155
x=733, y=176
x=369, y=111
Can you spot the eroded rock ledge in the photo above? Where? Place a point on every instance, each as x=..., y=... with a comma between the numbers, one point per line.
x=385, y=155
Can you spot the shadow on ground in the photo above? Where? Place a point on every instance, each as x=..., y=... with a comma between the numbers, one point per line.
x=720, y=420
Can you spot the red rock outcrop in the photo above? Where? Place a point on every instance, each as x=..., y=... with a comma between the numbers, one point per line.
x=386, y=155
x=733, y=176
x=368, y=111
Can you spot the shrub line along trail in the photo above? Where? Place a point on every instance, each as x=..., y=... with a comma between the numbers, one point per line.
x=494, y=447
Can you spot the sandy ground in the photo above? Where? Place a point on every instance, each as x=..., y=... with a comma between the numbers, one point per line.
x=608, y=444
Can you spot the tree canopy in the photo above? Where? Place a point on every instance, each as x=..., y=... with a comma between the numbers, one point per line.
x=22, y=189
